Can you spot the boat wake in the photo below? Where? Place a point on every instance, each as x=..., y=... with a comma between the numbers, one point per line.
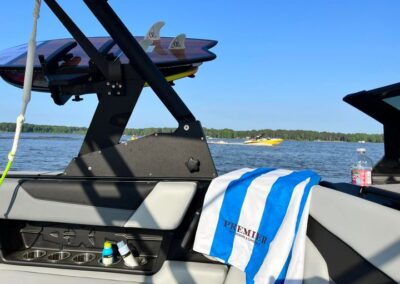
x=222, y=142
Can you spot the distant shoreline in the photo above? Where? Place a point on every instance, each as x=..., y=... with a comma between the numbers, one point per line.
x=296, y=135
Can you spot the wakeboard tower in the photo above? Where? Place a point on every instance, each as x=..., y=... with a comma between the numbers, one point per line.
x=116, y=68
x=120, y=176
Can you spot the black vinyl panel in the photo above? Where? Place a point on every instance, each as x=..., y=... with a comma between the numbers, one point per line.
x=110, y=194
x=345, y=265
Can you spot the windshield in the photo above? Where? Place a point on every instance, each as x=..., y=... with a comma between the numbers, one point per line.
x=393, y=101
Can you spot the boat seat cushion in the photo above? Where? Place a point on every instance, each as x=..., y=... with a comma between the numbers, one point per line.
x=315, y=266
x=315, y=270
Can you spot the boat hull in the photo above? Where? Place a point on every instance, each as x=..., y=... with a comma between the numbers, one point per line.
x=264, y=142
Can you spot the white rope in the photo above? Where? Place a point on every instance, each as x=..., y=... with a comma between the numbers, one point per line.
x=27, y=80
x=26, y=89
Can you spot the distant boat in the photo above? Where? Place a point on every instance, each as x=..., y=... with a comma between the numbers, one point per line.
x=135, y=137
x=361, y=141
x=260, y=141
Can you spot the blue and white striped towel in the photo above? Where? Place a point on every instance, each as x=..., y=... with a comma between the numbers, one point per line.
x=256, y=220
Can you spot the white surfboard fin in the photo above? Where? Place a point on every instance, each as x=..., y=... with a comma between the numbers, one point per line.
x=145, y=43
x=154, y=32
x=178, y=42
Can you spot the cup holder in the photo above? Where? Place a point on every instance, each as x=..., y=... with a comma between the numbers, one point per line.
x=33, y=254
x=117, y=259
x=141, y=260
x=58, y=256
x=84, y=258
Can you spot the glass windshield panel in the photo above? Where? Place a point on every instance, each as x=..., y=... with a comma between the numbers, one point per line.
x=393, y=101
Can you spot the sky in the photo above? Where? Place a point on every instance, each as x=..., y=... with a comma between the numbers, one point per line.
x=280, y=64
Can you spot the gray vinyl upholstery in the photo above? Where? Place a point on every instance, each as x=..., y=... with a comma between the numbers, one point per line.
x=17, y=204
x=153, y=213
x=172, y=272
x=372, y=230
x=315, y=270
x=235, y=276
x=315, y=267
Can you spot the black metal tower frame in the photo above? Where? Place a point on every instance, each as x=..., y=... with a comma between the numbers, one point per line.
x=118, y=91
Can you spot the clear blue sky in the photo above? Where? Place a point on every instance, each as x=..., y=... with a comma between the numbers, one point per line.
x=280, y=64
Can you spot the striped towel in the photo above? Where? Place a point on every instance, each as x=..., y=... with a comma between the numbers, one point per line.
x=256, y=220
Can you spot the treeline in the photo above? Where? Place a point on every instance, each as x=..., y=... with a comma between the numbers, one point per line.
x=35, y=128
x=148, y=131
x=299, y=135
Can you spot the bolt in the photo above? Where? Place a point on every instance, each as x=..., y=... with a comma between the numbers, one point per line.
x=120, y=86
x=89, y=168
x=118, y=93
x=109, y=93
x=186, y=127
x=108, y=83
x=113, y=86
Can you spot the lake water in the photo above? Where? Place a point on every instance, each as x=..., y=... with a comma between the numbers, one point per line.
x=332, y=160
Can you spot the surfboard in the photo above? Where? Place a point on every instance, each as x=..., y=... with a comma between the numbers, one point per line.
x=174, y=61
